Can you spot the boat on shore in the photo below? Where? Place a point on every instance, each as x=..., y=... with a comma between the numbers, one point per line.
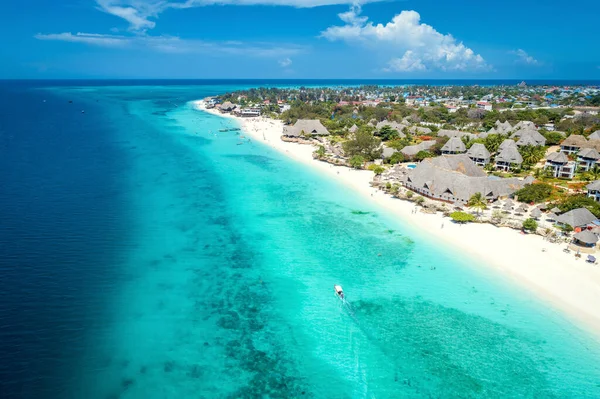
x=339, y=292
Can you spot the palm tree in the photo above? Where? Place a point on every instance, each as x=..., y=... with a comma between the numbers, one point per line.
x=595, y=172
x=530, y=155
x=477, y=201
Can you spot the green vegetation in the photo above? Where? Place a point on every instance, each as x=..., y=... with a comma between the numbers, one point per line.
x=409, y=194
x=553, y=138
x=531, y=155
x=462, y=217
x=530, y=224
x=421, y=155
x=396, y=157
x=363, y=144
x=579, y=201
x=377, y=169
x=537, y=192
x=419, y=200
x=477, y=201
x=357, y=161
x=320, y=152
x=388, y=133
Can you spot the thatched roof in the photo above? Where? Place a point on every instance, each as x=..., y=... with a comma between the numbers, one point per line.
x=510, y=155
x=456, y=177
x=412, y=150
x=536, y=213
x=586, y=237
x=577, y=217
x=589, y=153
x=595, y=135
x=507, y=143
x=454, y=145
x=595, y=185
x=478, y=150
x=575, y=140
x=558, y=157
x=308, y=126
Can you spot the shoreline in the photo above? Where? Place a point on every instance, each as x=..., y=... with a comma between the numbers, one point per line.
x=571, y=285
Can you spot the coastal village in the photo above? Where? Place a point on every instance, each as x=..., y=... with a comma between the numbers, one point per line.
x=526, y=158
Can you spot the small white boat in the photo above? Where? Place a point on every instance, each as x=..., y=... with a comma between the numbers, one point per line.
x=339, y=291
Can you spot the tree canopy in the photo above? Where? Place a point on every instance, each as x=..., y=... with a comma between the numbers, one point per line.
x=364, y=144
x=462, y=217
x=579, y=201
x=530, y=224
x=537, y=192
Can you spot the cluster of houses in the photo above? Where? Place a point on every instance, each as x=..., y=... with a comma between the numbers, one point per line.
x=455, y=178
x=238, y=110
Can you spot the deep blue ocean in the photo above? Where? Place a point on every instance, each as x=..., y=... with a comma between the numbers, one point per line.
x=144, y=254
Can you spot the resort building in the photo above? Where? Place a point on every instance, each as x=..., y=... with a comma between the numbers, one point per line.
x=577, y=218
x=593, y=190
x=509, y=157
x=394, y=125
x=479, y=154
x=560, y=165
x=484, y=105
x=595, y=135
x=227, y=107
x=529, y=137
x=501, y=128
x=387, y=152
x=573, y=144
x=455, y=133
x=523, y=125
x=412, y=150
x=420, y=130
x=250, y=112
x=453, y=178
x=587, y=158
x=454, y=146
x=306, y=127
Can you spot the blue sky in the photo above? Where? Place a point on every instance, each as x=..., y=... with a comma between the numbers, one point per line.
x=299, y=39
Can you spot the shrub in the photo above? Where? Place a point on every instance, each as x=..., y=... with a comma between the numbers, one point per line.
x=421, y=155
x=357, y=161
x=579, y=201
x=396, y=157
x=462, y=217
x=409, y=194
x=537, y=192
x=419, y=200
x=530, y=224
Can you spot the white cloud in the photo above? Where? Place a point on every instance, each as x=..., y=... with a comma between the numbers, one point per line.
x=88, y=38
x=139, y=13
x=417, y=46
x=286, y=62
x=174, y=44
x=524, y=58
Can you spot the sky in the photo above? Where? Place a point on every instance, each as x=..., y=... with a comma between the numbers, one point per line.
x=299, y=39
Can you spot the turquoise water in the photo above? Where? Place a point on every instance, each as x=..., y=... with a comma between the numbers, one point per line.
x=225, y=284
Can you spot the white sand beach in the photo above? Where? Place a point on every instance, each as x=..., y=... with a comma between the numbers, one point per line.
x=572, y=285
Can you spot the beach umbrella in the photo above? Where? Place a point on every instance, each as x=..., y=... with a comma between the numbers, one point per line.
x=555, y=210
x=591, y=258
x=522, y=209
x=507, y=207
x=536, y=213
x=542, y=207
x=551, y=216
x=509, y=202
